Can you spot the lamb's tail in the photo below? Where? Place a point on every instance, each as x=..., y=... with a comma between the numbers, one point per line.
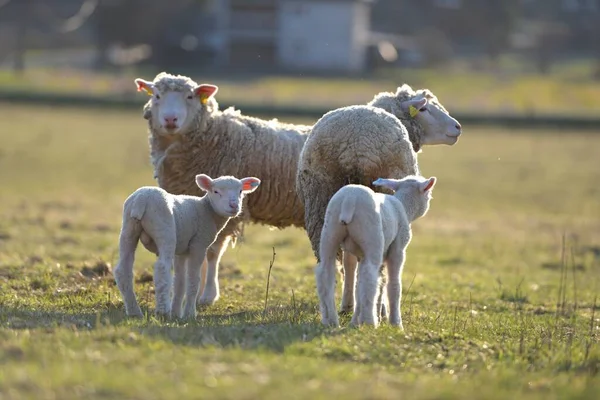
x=137, y=207
x=347, y=210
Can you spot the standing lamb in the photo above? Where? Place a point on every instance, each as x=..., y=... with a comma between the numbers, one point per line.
x=178, y=229
x=357, y=144
x=375, y=227
x=189, y=133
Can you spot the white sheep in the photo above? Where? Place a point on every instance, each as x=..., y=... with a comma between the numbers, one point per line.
x=374, y=227
x=178, y=229
x=357, y=144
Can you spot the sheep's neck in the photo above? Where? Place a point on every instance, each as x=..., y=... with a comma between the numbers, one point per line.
x=217, y=219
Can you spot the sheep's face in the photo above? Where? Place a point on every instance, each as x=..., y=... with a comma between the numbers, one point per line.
x=174, y=105
x=438, y=125
x=414, y=191
x=226, y=193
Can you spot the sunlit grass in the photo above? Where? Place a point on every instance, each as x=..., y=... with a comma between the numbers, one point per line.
x=494, y=307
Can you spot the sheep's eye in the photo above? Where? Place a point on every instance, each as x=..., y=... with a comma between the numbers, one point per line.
x=216, y=192
x=423, y=109
x=157, y=97
x=190, y=97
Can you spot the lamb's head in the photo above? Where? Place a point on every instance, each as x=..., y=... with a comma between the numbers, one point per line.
x=414, y=192
x=176, y=101
x=421, y=111
x=226, y=193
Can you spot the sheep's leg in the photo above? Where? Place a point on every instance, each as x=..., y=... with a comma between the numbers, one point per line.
x=197, y=255
x=370, y=239
x=382, y=298
x=166, y=242
x=325, y=274
x=179, y=286
x=395, y=263
x=203, y=269
x=349, y=262
x=368, y=277
x=210, y=294
x=128, y=240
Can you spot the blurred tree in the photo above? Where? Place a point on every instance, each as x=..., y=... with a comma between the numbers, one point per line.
x=497, y=20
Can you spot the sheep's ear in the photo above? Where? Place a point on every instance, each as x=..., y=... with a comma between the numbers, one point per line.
x=249, y=185
x=205, y=91
x=146, y=86
x=413, y=106
x=391, y=184
x=204, y=182
x=428, y=184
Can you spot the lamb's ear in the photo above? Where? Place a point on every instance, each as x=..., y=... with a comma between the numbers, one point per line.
x=205, y=91
x=428, y=184
x=204, y=182
x=146, y=86
x=249, y=185
x=391, y=184
x=413, y=106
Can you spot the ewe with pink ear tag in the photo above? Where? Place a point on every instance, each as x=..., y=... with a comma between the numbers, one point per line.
x=249, y=185
x=204, y=182
x=428, y=184
x=391, y=184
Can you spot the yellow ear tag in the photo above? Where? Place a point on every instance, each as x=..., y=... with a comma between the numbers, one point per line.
x=204, y=100
x=148, y=91
x=413, y=111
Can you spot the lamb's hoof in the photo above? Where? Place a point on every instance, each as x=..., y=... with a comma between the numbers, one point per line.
x=162, y=315
x=331, y=322
x=189, y=315
x=136, y=315
x=207, y=299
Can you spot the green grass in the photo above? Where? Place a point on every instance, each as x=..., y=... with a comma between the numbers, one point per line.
x=568, y=90
x=483, y=278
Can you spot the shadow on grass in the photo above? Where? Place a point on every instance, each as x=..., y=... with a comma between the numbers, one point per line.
x=272, y=330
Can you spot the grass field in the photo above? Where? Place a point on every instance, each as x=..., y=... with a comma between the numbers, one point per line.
x=494, y=306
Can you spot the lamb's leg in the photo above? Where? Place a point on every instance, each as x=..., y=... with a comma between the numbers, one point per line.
x=395, y=263
x=349, y=264
x=382, y=298
x=179, y=286
x=368, y=276
x=166, y=242
x=128, y=240
x=196, y=257
x=325, y=274
x=210, y=294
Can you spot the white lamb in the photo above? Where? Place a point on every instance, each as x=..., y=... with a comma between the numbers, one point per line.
x=374, y=227
x=178, y=229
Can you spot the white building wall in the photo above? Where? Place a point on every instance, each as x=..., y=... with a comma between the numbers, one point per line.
x=318, y=35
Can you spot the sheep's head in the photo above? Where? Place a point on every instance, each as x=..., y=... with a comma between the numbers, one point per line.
x=439, y=127
x=414, y=191
x=226, y=193
x=175, y=101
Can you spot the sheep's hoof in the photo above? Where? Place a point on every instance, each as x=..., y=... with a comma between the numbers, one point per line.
x=162, y=316
x=331, y=322
x=208, y=299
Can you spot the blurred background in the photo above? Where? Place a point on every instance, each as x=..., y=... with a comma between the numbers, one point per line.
x=481, y=57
